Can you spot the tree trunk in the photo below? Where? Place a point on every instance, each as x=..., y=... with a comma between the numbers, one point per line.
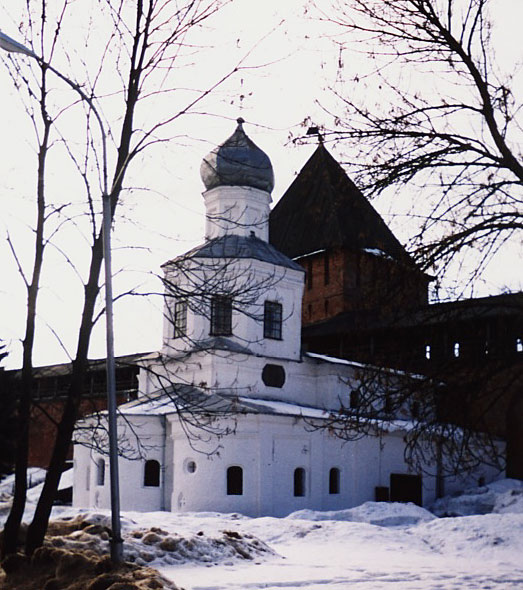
x=38, y=527
x=12, y=525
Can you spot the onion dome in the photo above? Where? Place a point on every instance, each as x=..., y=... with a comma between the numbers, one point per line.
x=237, y=162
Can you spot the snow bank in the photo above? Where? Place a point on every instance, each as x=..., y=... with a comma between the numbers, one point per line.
x=377, y=513
x=503, y=496
x=35, y=476
x=484, y=536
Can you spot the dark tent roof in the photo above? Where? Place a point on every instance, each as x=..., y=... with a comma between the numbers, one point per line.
x=323, y=208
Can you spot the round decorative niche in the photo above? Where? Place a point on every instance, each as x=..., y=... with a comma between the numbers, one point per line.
x=189, y=466
x=273, y=375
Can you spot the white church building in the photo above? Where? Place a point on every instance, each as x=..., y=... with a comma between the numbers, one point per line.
x=232, y=415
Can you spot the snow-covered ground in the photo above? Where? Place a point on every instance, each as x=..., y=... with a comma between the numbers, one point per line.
x=374, y=546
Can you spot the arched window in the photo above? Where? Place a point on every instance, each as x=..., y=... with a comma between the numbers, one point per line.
x=234, y=481
x=151, y=474
x=100, y=472
x=354, y=399
x=334, y=481
x=299, y=481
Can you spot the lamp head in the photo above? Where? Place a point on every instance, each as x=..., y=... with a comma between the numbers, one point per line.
x=12, y=46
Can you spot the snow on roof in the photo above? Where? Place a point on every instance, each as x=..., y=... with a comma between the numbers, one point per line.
x=235, y=246
x=151, y=406
x=335, y=360
x=309, y=254
x=338, y=361
x=282, y=408
x=189, y=398
x=377, y=252
x=163, y=403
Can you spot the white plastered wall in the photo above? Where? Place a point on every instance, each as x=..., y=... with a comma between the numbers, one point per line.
x=254, y=282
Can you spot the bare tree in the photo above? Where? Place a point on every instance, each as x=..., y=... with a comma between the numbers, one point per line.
x=431, y=111
x=437, y=442
x=136, y=65
x=446, y=118
x=32, y=285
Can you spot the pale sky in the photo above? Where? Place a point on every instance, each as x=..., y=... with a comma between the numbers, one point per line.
x=169, y=220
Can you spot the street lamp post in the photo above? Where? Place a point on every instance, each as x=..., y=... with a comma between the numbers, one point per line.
x=12, y=46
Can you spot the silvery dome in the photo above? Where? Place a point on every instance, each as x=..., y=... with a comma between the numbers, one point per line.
x=237, y=162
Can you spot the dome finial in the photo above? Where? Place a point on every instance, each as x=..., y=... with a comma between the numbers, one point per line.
x=238, y=162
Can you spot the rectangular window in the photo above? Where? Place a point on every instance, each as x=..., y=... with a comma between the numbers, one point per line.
x=100, y=472
x=272, y=320
x=221, y=316
x=326, y=269
x=180, y=318
x=309, y=274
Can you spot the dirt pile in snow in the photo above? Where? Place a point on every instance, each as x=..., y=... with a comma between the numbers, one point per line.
x=157, y=545
x=52, y=568
x=75, y=556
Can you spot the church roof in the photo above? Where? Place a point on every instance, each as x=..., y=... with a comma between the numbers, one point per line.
x=235, y=246
x=238, y=161
x=323, y=209
x=180, y=398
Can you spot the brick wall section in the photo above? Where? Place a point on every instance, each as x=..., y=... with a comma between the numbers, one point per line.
x=42, y=428
x=324, y=293
x=344, y=281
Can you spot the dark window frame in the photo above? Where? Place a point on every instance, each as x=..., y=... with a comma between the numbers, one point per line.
x=334, y=480
x=100, y=472
x=151, y=473
x=180, y=318
x=221, y=315
x=326, y=269
x=234, y=478
x=354, y=399
x=272, y=320
x=300, y=479
x=309, y=275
